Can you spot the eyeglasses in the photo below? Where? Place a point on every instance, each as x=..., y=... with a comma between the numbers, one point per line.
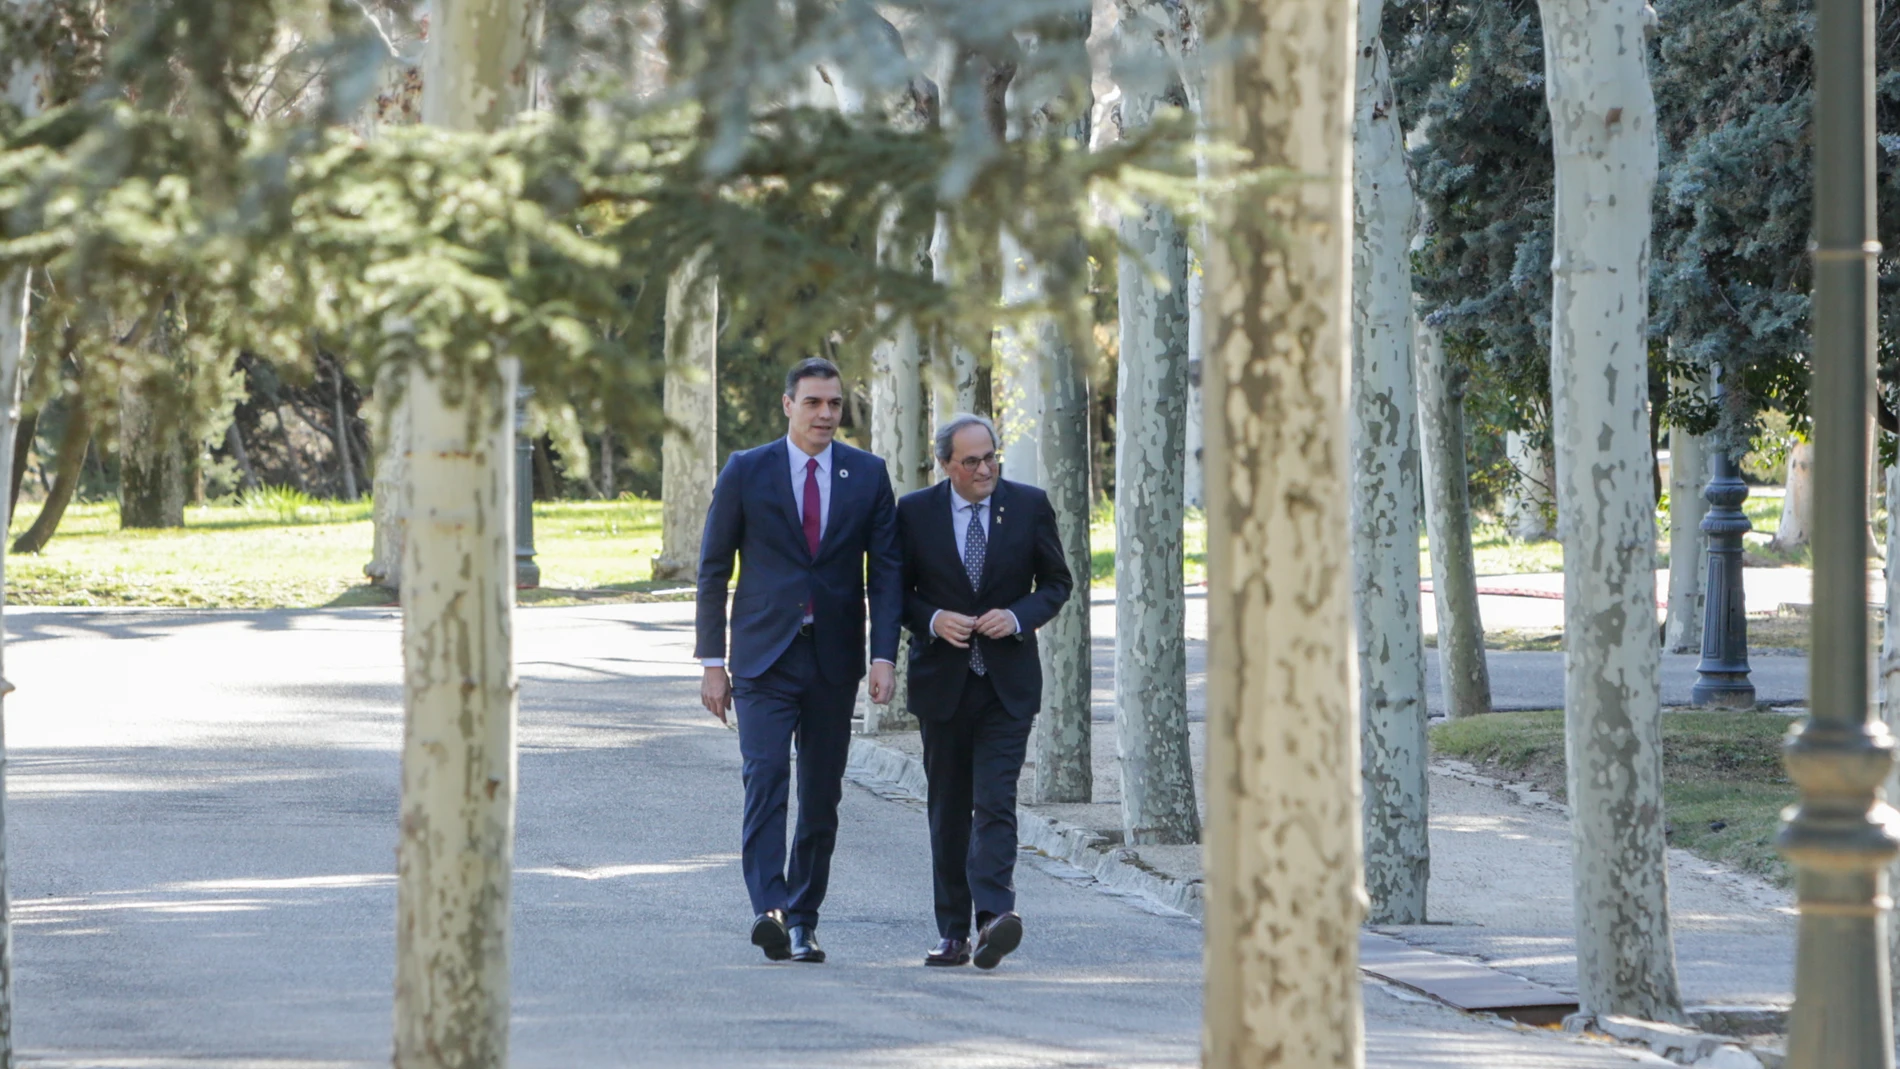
x=990, y=460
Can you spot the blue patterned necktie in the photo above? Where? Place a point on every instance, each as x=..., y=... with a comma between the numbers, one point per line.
x=975, y=546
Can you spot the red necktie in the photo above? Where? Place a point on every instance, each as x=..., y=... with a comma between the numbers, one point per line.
x=811, y=506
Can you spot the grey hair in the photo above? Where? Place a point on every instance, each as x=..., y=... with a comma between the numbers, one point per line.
x=959, y=422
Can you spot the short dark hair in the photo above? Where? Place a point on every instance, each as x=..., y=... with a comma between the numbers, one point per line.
x=816, y=367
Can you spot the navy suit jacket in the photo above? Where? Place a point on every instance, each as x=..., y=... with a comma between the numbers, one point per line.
x=754, y=514
x=1024, y=571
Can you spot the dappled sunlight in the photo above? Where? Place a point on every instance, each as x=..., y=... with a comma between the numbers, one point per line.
x=283, y=883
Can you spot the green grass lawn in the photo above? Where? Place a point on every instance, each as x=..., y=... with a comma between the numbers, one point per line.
x=1723, y=784
x=293, y=555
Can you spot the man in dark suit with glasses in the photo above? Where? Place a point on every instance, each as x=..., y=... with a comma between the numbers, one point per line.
x=982, y=570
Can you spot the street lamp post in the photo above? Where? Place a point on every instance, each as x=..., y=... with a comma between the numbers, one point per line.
x=527, y=572
x=1722, y=674
x=1837, y=835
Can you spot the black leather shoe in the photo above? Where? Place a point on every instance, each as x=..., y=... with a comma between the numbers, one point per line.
x=805, y=944
x=949, y=952
x=996, y=939
x=769, y=935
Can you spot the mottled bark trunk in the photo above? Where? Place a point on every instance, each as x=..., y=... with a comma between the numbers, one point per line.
x=1528, y=505
x=390, y=525
x=1284, y=891
x=1603, y=130
x=953, y=365
x=152, y=463
x=1797, y=500
x=455, y=856
x=1151, y=716
x=1688, y=474
x=1386, y=498
x=1046, y=394
x=398, y=103
x=689, y=462
x=21, y=91
x=1462, y=669
x=234, y=441
x=900, y=433
x=1888, y=688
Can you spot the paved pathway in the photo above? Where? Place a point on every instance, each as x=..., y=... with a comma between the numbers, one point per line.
x=201, y=830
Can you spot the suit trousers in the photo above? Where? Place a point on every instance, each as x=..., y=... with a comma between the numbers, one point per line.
x=791, y=700
x=972, y=761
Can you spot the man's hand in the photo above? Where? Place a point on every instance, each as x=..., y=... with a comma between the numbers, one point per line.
x=954, y=628
x=997, y=623
x=883, y=682
x=715, y=692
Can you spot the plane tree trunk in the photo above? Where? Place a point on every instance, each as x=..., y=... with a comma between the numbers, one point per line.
x=1151, y=715
x=1386, y=498
x=455, y=856
x=1284, y=892
x=1603, y=131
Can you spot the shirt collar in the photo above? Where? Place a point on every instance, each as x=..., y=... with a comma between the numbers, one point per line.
x=798, y=458
x=965, y=504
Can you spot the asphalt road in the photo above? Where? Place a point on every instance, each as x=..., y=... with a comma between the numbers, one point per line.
x=201, y=832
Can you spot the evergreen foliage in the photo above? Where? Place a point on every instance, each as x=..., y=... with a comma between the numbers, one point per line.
x=179, y=174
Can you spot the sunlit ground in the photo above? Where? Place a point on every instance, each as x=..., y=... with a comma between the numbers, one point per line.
x=302, y=556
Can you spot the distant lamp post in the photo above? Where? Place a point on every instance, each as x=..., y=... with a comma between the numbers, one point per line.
x=1722, y=674
x=527, y=572
x=1838, y=834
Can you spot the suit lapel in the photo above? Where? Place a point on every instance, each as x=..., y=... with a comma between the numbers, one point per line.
x=842, y=482
x=995, y=515
x=779, y=460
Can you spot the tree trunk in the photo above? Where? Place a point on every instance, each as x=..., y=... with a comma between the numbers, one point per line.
x=390, y=525
x=953, y=366
x=399, y=103
x=1284, y=891
x=1527, y=501
x=151, y=447
x=689, y=462
x=1797, y=502
x=15, y=298
x=606, y=475
x=1603, y=130
x=73, y=444
x=233, y=440
x=900, y=433
x=23, y=90
x=345, y=465
x=1688, y=474
x=22, y=450
x=1889, y=685
x=1386, y=498
x=1151, y=715
x=1045, y=399
x=455, y=857
x=1462, y=669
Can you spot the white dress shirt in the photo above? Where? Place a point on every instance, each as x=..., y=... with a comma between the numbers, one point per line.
x=799, y=459
x=961, y=513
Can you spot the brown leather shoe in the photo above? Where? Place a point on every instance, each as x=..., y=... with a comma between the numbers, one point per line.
x=769, y=935
x=949, y=952
x=1001, y=935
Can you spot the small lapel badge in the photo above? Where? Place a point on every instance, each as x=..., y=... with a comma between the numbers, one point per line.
x=999, y=514
x=844, y=473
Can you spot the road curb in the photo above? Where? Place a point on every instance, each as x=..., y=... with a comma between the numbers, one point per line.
x=885, y=770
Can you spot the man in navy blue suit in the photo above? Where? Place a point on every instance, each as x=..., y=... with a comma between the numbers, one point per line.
x=983, y=569
x=814, y=524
